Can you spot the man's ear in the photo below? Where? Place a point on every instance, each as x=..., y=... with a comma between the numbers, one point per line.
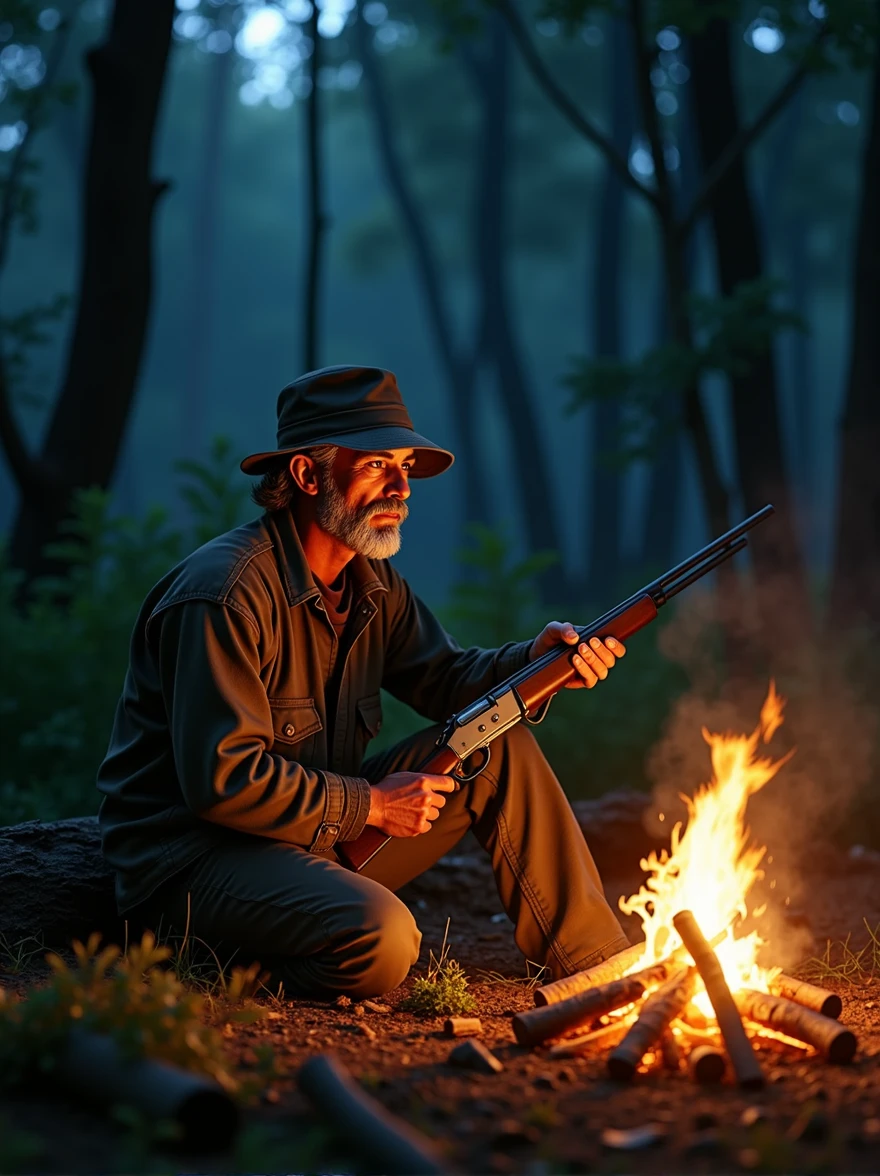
x=304, y=471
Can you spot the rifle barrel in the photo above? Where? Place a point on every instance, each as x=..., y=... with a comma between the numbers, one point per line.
x=703, y=569
x=716, y=545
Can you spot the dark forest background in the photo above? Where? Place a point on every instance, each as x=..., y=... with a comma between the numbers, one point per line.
x=624, y=259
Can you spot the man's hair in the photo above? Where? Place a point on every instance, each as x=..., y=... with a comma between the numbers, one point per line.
x=276, y=489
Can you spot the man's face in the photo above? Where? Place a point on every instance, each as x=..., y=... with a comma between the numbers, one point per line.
x=362, y=500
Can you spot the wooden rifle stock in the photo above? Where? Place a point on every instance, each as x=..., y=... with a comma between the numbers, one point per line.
x=531, y=689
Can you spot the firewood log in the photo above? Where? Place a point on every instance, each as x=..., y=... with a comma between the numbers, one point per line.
x=833, y=1041
x=573, y=1047
x=384, y=1143
x=669, y=1052
x=742, y=1055
x=706, y=1065
x=659, y=1009
x=553, y=1020
x=820, y=1000
x=613, y=968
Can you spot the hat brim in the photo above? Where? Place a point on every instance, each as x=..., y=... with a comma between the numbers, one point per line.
x=430, y=458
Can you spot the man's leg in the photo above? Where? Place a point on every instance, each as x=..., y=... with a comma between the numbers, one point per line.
x=319, y=928
x=546, y=876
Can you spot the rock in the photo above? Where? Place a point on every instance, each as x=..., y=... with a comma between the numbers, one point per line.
x=512, y=1133
x=752, y=1116
x=358, y=1010
x=367, y=1031
x=343, y=1002
x=473, y=1055
x=633, y=1138
x=55, y=883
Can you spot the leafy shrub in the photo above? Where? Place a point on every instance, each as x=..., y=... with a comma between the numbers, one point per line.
x=133, y=998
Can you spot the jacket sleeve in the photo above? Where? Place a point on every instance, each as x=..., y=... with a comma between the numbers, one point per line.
x=427, y=669
x=222, y=735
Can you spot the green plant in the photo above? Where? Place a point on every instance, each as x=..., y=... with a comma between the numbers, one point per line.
x=443, y=991
x=135, y=998
x=15, y=957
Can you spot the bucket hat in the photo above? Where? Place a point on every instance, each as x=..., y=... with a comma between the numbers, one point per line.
x=355, y=407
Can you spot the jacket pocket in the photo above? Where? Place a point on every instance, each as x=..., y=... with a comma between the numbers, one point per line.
x=294, y=719
x=370, y=710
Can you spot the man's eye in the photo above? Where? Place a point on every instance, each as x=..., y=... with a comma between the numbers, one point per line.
x=378, y=463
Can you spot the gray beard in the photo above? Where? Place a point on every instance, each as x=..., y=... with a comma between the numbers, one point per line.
x=351, y=525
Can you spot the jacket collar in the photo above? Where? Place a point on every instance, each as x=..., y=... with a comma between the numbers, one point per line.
x=296, y=575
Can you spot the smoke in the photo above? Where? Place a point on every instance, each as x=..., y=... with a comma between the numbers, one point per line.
x=830, y=719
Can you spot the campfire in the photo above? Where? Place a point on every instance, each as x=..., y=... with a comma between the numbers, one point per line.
x=694, y=990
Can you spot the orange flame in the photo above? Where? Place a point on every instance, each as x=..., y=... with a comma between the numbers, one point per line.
x=711, y=867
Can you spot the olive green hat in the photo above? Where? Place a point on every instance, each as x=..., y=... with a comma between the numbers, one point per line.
x=355, y=407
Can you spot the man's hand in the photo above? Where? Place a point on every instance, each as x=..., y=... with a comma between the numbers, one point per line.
x=591, y=662
x=405, y=803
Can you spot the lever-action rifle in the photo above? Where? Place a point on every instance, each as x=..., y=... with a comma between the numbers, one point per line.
x=527, y=694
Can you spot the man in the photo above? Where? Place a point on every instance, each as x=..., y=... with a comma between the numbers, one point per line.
x=235, y=765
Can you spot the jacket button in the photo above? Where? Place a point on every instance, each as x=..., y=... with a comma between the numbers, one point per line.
x=289, y=729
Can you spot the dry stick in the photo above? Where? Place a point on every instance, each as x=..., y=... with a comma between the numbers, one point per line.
x=659, y=1009
x=706, y=1065
x=573, y=1047
x=833, y=1041
x=742, y=1055
x=384, y=1143
x=611, y=969
x=811, y=996
x=553, y=1020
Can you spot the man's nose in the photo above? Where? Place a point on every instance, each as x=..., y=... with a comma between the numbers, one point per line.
x=398, y=486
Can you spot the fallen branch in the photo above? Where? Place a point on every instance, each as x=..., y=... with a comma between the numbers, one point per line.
x=742, y=1055
x=660, y=1008
x=573, y=1047
x=833, y=1041
x=553, y=1020
x=706, y=1065
x=613, y=968
x=811, y=996
x=384, y=1143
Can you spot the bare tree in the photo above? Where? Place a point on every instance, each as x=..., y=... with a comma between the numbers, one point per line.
x=115, y=286
x=855, y=592
x=316, y=218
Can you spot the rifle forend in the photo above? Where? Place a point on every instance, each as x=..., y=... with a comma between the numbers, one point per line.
x=526, y=694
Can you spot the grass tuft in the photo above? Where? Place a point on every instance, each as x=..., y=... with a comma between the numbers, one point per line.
x=443, y=992
x=535, y=974
x=841, y=963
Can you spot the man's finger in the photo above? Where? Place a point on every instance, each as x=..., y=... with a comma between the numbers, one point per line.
x=440, y=783
x=602, y=651
x=589, y=676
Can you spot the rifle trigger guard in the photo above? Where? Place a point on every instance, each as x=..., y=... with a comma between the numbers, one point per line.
x=472, y=775
x=540, y=714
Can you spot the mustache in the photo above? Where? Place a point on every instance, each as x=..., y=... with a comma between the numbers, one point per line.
x=386, y=506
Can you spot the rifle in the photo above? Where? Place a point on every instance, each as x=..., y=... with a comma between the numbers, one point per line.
x=527, y=694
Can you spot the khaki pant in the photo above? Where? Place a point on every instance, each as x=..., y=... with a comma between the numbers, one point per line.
x=323, y=930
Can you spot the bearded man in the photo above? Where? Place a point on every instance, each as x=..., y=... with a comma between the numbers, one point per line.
x=236, y=761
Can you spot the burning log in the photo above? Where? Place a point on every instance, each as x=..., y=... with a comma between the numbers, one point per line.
x=669, y=1052
x=553, y=1020
x=742, y=1055
x=820, y=1000
x=706, y=1065
x=384, y=1142
x=659, y=1009
x=613, y=968
x=573, y=1047
x=833, y=1041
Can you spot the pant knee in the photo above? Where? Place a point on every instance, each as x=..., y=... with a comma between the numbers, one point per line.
x=395, y=941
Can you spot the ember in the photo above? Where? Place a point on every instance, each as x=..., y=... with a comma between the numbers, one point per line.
x=678, y=989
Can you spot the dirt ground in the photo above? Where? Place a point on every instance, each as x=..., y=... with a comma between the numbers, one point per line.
x=537, y=1115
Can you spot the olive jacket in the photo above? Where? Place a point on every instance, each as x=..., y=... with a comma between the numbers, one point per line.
x=226, y=721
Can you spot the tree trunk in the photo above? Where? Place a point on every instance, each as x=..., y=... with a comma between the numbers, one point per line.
x=88, y=422
x=316, y=221
x=459, y=369
x=205, y=214
x=783, y=601
x=855, y=593
x=605, y=483
x=532, y=474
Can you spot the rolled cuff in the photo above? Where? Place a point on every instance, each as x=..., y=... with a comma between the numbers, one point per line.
x=345, y=812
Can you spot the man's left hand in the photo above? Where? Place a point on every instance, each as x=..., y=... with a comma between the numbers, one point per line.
x=591, y=662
